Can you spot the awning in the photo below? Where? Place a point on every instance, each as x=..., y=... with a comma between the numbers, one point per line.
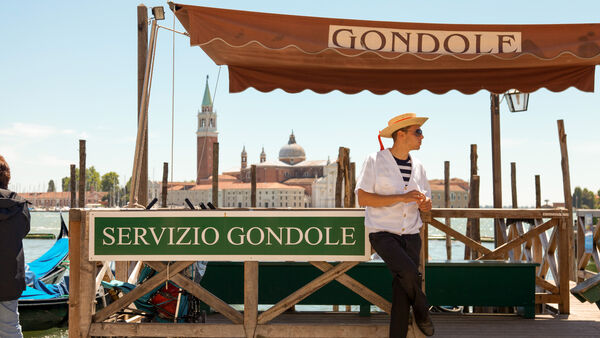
x=294, y=53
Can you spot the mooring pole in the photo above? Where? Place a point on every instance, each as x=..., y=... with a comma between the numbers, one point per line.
x=81, y=174
x=215, y=175
x=142, y=27
x=447, y=205
x=564, y=161
x=496, y=167
x=73, y=187
x=165, y=184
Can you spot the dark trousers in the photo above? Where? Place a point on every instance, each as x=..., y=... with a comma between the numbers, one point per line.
x=401, y=254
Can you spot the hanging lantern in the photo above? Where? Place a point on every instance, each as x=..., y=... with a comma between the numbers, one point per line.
x=516, y=100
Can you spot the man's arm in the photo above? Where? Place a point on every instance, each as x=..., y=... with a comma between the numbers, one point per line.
x=367, y=199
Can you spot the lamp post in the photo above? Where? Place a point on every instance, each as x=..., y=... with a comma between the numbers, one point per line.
x=517, y=102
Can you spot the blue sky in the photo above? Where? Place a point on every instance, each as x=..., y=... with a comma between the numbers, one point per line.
x=69, y=71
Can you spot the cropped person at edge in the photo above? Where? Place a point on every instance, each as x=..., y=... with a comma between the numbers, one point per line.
x=14, y=225
x=393, y=187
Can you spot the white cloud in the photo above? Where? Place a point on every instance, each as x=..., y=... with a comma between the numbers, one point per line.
x=33, y=131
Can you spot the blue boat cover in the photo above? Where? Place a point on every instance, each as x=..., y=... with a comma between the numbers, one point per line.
x=41, y=290
x=49, y=260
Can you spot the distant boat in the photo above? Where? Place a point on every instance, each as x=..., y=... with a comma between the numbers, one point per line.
x=45, y=302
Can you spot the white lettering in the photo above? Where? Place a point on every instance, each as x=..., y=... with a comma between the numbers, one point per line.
x=289, y=236
x=327, y=234
x=180, y=241
x=156, y=239
x=241, y=236
x=307, y=236
x=270, y=233
x=139, y=236
x=347, y=235
x=249, y=236
x=216, y=236
x=107, y=235
x=123, y=235
x=196, y=236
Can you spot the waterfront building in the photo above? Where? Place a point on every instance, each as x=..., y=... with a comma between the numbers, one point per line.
x=459, y=193
x=49, y=200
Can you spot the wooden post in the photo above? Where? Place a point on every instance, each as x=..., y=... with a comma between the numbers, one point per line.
x=496, y=164
x=87, y=280
x=81, y=174
x=352, y=185
x=253, y=186
x=474, y=203
x=339, y=178
x=215, y=175
x=73, y=187
x=447, y=205
x=564, y=264
x=513, y=184
x=538, y=193
x=469, y=253
x=347, y=182
x=142, y=26
x=537, y=244
x=74, y=258
x=165, y=184
x=562, y=139
x=250, y=298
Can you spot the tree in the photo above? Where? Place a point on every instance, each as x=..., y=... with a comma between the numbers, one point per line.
x=51, y=186
x=66, y=184
x=109, y=181
x=92, y=179
x=577, y=194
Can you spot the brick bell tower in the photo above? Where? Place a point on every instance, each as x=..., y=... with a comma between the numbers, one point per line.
x=207, y=135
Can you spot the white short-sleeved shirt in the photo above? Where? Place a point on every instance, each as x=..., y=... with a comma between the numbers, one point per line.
x=380, y=175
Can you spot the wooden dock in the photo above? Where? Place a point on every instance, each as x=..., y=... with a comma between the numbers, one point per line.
x=584, y=321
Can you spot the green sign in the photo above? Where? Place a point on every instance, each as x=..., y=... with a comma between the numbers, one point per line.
x=229, y=235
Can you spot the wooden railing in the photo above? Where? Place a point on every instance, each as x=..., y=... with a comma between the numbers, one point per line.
x=583, y=255
x=86, y=275
x=519, y=245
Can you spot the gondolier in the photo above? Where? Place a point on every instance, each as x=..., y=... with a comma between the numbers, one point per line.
x=393, y=187
x=14, y=225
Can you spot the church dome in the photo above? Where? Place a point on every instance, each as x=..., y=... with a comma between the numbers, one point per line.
x=292, y=152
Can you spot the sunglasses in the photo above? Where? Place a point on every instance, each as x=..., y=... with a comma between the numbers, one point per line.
x=419, y=132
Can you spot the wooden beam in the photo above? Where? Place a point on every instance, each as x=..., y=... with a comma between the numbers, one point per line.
x=347, y=183
x=73, y=188
x=496, y=162
x=87, y=272
x=447, y=205
x=305, y=291
x=538, y=192
x=473, y=223
x=545, y=298
x=357, y=287
x=142, y=54
x=564, y=268
x=546, y=285
x=82, y=155
x=250, y=298
x=352, y=185
x=513, y=184
x=497, y=213
x=74, y=259
x=202, y=294
x=564, y=162
x=506, y=247
x=253, y=186
x=458, y=236
x=159, y=278
x=166, y=330
x=165, y=185
x=330, y=330
x=215, y=175
x=549, y=260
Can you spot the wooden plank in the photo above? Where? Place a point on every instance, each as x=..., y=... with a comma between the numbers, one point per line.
x=357, y=287
x=202, y=294
x=339, y=178
x=527, y=249
x=215, y=175
x=496, y=162
x=73, y=188
x=74, y=258
x=474, y=203
x=502, y=231
x=549, y=260
x=81, y=203
x=546, y=285
x=305, y=291
x=250, y=298
x=166, y=330
x=583, y=261
x=497, y=213
x=564, y=265
x=505, y=248
x=326, y=330
x=458, y=236
x=142, y=55
x=253, y=186
x=447, y=205
x=159, y=278
x=545, y=298
x=165, y=185
x=564, y=163
x=87, y=274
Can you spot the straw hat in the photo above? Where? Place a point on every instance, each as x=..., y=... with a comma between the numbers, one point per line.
x=401, y=121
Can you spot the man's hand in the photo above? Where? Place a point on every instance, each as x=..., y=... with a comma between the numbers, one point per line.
x=425, y=205
x=414, y=196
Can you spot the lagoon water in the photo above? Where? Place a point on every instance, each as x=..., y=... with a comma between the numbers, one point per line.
x=49, y=222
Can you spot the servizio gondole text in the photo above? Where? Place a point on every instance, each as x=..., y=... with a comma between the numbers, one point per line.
x=198, y=236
